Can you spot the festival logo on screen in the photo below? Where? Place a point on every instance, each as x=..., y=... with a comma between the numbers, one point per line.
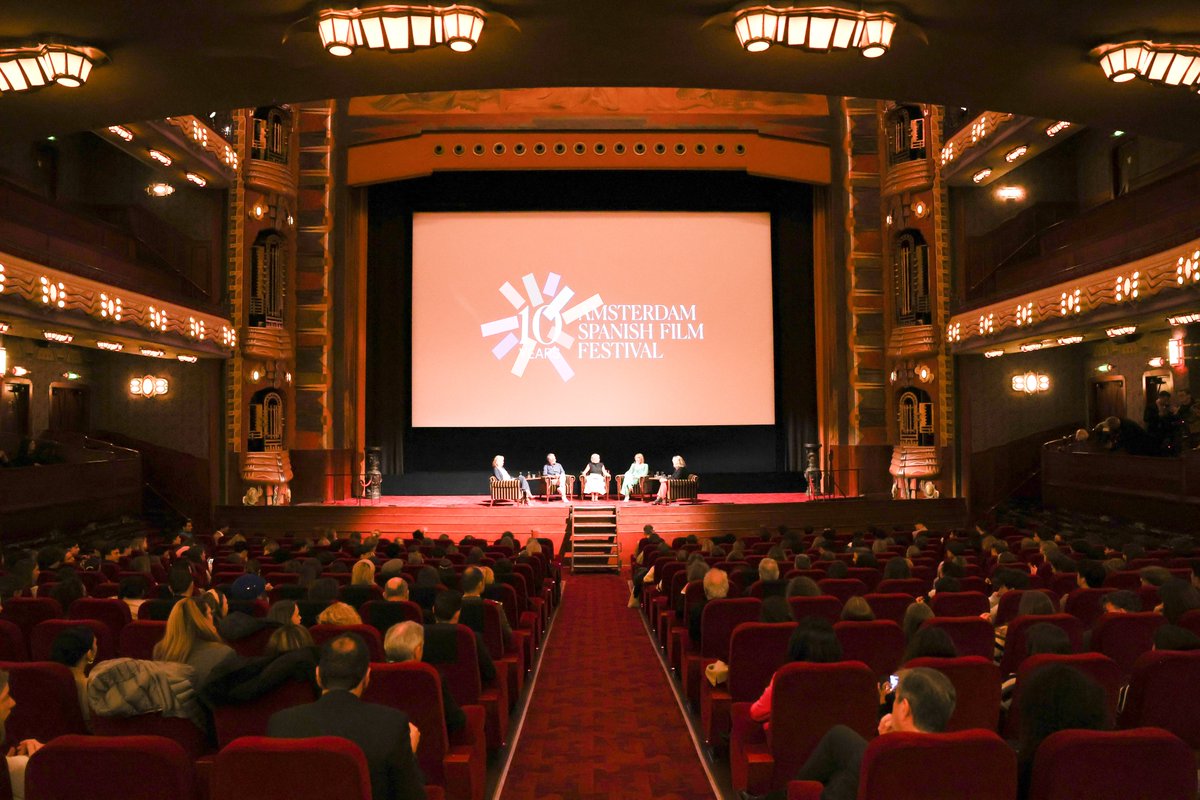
x=537, y=329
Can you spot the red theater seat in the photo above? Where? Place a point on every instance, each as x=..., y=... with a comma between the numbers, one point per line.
x=977, y=688
x=12, y=642
x=717, y=622
x=458, y=763
x=112, y=612
x=467, y=687
x=959, y=604
x=756, y=650
x=879, y=644
x=913, y=587
x=931, y=766
x=290, y=769
x=889, y=606
x=822, y=606
x=25, y=612
x=110, y=768
x=370, y=637
x=972, y=636
x=1016, y=646
x=1124, y=637
x=1010, y=601
x=830, y=694
x=47, y=701
x=1145, y=763
x=138, y=638
x=1087, y=604
x=183, y=732
x=1100, y=668
x=250, y=719
x=842, y=588
x=41, y=640
x=1163, y=692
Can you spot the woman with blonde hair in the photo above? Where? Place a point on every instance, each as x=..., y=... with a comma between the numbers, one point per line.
x=501, y=474
x=191, y=638
x=363, y=573
x=339, y=614
x=287, y=638
x=680, y=473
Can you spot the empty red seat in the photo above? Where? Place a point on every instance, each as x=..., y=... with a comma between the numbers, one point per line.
x=110, y=768
x=879, y=644
x=717, y=622
x=977, y=688
x=870, y=576
x=1124, y=637
x=290, y=769
x=25, y=612
x=830, y=694
x=1015, y=645
x=972, y=636
x=1123, y=580
x=959, y=604
x=756, y=650
x=1191, y=621
x=370, y=637
x=41, y=640
x=931, y=766
x=1163, y=692
x=112, y=612
x=138, y=638
x=457, y=763
x=12, y=642
x=194, y=741
x=47, y=701
x=1087, y=604
x=1145, y=763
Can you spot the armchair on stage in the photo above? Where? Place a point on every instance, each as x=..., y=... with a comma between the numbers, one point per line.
x=550, y=487
x=639, y=490
x=504, y=490
x=682, y=488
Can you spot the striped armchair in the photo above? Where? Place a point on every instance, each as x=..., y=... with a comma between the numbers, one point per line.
x=504, y=490
x=682, y=489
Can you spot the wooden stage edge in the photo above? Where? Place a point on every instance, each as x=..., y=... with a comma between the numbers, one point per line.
x=704, y=519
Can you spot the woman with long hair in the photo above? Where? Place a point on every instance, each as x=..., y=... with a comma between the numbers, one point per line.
x=363, y=573
x=191, y=638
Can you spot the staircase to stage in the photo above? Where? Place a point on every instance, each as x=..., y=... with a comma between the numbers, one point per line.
x=594, y=543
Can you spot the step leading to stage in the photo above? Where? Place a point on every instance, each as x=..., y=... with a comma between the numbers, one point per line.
x=594, y=543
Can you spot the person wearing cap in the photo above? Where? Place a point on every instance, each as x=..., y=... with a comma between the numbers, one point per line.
x=248, y=587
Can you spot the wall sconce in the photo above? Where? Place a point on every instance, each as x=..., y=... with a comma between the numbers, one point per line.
x=1185, y=319
x=1010, y=193
x=152, y=353
x=920, y=209
x=121, y=131
x=1070, y=339
x=1175, y=352
x=148, y=386
x=20, y=372
x=197, y=179
x=53, y=294
x=112, y=347
x=1104, y=368
x=924, y=373
x=55, y=336
x=1187, y=269
x=1030, y=383
x=256, y=376
x=1015, y=153
x=187, y=359
x=160, y=157
x=72, y=376
x=982, y=175
x=160, y=189
x=1057, y=128
x=3, y=361
x=1124, y=330
x=1156, y=362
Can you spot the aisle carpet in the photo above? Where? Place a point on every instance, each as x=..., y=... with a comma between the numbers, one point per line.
x=602, y=721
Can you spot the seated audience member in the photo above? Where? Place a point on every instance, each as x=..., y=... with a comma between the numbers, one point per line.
x=929, y=643
x=133, y=591
x=768, y=578
x=289, y=655
x=180, y=584
x=716, y=587
x=1121, y=601
x=914, y=616
x=924, y=703
x=897, y=569
x=802, y=587
x=1033, y=604
x=385, y=735
x=802, y=561
x=1055, y=698
x=1177, y=598
x=405, y=641
x=248, y=587
x=75, y=648
x=447, y=610
x=775, y=609
x=1154, y=576
x=1174, y=637
x=838, y=570
x=857, y=609
x=191, y=638
x=339, y=614
x=68, y=591
x=286, y=639
x=473, y=602
x=284, y=612
x=813, y=641
x=1040, y=638
x=17, y=753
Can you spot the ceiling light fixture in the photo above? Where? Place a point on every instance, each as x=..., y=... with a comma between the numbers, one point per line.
x=993, y=354
x=982, y=175
x=818, y=29
x=1031, y=346
x=121, y=131
x=25, y=68
x=1164, y=64
x=1015, y=153
x=1185, y=319
x=1057, y=128
x=187, y=359
x=55, y=336
x=1124, y=330
x=150, y=351
x=1070, y=339
x=112, y=347
x=398, y=28
x=160, y=189
x=161, y=157
x=197, y=179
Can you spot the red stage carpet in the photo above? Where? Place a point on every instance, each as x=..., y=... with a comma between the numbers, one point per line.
x=481, y=500
x=602, y=721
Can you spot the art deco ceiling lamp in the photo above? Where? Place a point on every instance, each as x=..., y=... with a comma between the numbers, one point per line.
x=399, y=28
x=25, y=68
x=1163, y=64
x=819, y=29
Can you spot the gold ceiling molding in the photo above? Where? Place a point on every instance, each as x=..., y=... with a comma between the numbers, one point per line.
x=64, y=296
x=1174, y=271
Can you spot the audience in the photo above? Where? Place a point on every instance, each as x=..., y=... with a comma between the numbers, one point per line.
x=1055, y=698
x=406, y=642
x=75, y=648
x=191, y=638
x=814, y=642
x=18, y=753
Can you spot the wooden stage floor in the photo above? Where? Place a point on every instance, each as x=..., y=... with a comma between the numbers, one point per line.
x=713, y=515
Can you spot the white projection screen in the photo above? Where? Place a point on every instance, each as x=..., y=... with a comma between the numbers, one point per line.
x=549, y=319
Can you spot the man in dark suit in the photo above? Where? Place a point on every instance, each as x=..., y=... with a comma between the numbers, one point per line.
x=447, y=609
x=386, y=737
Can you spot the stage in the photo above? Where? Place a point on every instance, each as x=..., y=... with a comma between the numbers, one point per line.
x=713, y=515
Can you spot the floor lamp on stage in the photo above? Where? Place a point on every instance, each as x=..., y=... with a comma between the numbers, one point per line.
x=372, y=477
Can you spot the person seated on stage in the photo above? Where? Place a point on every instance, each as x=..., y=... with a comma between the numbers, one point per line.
x=553, y=472
x=405, y=641
x=501, y=474
x=925, y=700
x=633, y=476
x=595, y=477
x=681, y=472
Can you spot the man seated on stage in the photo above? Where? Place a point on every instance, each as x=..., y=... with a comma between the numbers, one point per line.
x=553, y=472
x=925, y=700
x=387, y=738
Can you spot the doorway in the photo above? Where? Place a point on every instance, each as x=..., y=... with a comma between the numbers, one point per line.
x=68, y=409
x=14, y=409
x=1108, y=400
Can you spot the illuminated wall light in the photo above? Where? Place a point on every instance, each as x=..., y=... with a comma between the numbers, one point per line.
x=924, y=373
x=888, y=219
x=20, y=372
x=1105, y=368
x=891, y=377
x=258, y=211
x=196, y=328
x=161, y=157
x=1175, y=352
x=1070, y=339
x=197, y=179
x=199, y=133
x=948, y=153
x=1122, y=331
x=56, y=336
x=1118, y=134
x=920, y=209
x=1126, y=288
x=3, y=361
x=53, y=294
x=1070, y=303
x=160, y=189
x=1186, y=319
x=228, y=336
x=1187, y=269
x=3, y=278
x=1015, y=153
x=1010, y=193
x=1030, y=383
x=993, y=354
x=987, y=324
x=1031, y=346
x=398, y=28
x=954, y=332
x=110, y=307
x=121, y=131
x=72, y=376
x=1024, y=315
x=1057, y=128
x=979, y=129
x=157, y=318
x=288, y=376
x=982, y=175
x=114, y=347
x=1156, y=362
x=3, y=327
x=255, y=376
x=150, y=351
x=148, y=386
x=188, y=359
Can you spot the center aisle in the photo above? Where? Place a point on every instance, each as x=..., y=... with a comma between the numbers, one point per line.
x=603, y=721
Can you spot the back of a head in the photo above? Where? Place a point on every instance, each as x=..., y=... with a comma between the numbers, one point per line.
x=363, y=573
x=802, y=587
x=930, y=643
x=716, y=584
x=838, y=569
x=395, y=589
x=179, y=579
x=815, y=642
x=1047, y=638
x=1093, y=574
x=896, y=569
x=930, y=695
x=339, y=613
x=1034, y=603
x=775, y=609
x=132, y=588
x=471, y=581
x=403, y=640
x=282, y=612
x=287, y=638
x=1123, y=600
x=1174, y=637
x=768, y=570
x=344, y=663
x=1178, y=597
x=446, y=605
x=914, y=616
x=72, y=645
x=1154, y=576
x=1057, y=697
x=802, y=561
x=857, y=609
x=323, y=590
